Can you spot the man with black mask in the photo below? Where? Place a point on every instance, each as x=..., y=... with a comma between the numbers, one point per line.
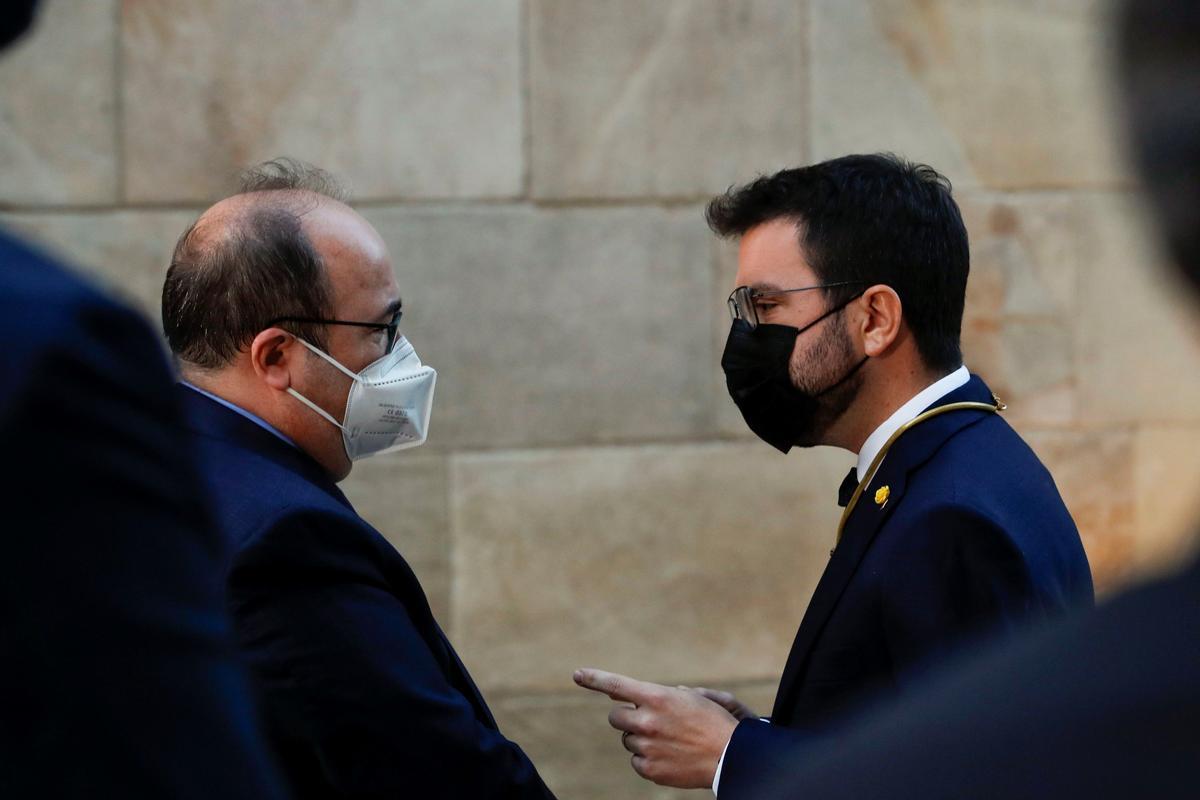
x=847, y=310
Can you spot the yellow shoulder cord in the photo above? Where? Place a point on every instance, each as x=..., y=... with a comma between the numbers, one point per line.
x=930, y=414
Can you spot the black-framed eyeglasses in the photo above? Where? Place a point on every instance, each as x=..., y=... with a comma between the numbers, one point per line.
x=392, y=327
x=742, y=300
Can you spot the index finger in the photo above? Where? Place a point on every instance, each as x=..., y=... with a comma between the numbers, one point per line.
x=618, y=687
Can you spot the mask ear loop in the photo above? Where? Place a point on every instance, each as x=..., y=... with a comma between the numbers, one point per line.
x=351, y=375
x=314, y=407
x=853, y=369
x=830, y=312
x=847, y=377
x=310, y=403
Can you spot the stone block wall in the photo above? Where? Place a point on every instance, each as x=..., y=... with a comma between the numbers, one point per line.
x=589, y=494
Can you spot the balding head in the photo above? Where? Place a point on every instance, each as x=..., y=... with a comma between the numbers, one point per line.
x=246, y=261
x=281, y=262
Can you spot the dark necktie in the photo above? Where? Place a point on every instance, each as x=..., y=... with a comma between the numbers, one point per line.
x=846, y=490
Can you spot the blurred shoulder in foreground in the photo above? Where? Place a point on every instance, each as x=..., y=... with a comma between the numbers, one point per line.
x=119, y=677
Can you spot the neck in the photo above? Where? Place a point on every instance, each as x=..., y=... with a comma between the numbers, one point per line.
x=227, y=387
x=881, y=396
x=319, y=440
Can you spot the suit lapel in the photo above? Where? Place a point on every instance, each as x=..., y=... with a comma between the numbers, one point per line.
x=859, y=532
x=909, y=452
x=405, y=581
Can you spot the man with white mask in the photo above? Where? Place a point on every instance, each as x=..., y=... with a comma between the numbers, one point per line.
x=283, y=311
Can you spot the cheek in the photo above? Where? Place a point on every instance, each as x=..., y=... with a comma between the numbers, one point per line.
x=814, y=363
x=799, y=366
x=368, y=351
x=327, y=385
x=338, y=388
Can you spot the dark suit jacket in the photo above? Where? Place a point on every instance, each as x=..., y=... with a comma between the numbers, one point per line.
x=364, y=696
x=1104, y=704
x=973, y=537
x=119, y=676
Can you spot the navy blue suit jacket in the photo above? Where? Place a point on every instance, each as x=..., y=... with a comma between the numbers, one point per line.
x=1103, y=705
x=119, y=676
x=973, y=538
x=364, y=696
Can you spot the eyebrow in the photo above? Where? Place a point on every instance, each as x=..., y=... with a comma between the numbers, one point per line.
x=765, y=287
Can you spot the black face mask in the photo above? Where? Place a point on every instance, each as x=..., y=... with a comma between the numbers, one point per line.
x=756, y=364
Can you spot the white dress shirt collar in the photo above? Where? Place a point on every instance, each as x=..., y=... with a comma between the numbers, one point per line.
x=907, y=413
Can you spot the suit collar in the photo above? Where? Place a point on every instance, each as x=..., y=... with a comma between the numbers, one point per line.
x=257, y=420
x=907, y=412
x=973, y=391
x=916, y=447
x=910, y=451
x=208, y=418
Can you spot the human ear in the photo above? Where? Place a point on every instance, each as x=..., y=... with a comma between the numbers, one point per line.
x=882, y=316
x=273, y=354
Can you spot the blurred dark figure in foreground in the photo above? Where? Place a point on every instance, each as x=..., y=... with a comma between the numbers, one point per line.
x=118, y=677
x=1105, y=705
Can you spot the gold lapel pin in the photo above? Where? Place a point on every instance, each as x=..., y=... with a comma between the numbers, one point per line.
x=882, y=495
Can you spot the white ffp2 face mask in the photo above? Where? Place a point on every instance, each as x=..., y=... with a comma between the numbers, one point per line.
x=389, y=402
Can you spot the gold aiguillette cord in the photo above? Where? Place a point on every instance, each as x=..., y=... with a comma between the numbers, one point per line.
x=883, y=451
